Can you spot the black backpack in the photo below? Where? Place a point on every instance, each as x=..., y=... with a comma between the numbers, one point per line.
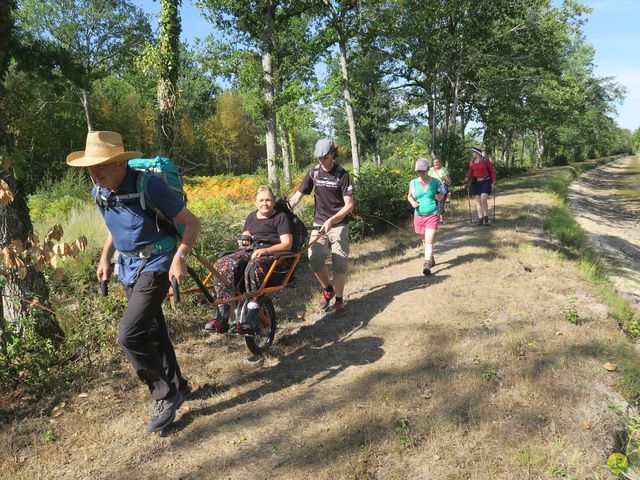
x=298, y=228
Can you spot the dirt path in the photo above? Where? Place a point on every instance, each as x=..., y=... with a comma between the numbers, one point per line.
x=489, y=369
x=606, y=203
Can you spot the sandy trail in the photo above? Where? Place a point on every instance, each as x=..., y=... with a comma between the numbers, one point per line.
x=606, y=203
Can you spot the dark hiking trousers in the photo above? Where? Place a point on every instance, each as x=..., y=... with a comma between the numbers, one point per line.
x=143, y=336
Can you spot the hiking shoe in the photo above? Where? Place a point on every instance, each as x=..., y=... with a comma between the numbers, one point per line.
x=184, y=390
x=338, y=306
x=432, y=262
x=220, y=324
x=486, y=220
x=163, y=412
x=326, y=298
x=480, y=221
x=426, y=270
x=251, y=325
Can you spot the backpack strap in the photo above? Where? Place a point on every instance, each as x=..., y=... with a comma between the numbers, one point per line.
x=141, y=188
x=315, y=171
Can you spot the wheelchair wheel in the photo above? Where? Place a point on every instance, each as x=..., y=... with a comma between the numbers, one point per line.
x=260, y=342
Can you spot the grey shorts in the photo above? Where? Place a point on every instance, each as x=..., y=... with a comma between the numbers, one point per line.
x=336, y=241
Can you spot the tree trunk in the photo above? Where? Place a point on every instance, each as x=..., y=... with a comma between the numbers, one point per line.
x=286, y=169
x=346, y=92
x=539, y=149
x=522, y=151
x=269, y=91
x=87, y=110
x=432, y=120
x=167, y=93
x=456, y=102
x=447, y=119
x=292, y=148
x=15, y=222
x=18, y=292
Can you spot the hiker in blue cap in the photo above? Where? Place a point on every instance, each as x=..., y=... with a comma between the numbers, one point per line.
x=147, y=257
x=333, y=195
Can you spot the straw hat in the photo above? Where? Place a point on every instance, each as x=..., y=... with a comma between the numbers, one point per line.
x=102, y=147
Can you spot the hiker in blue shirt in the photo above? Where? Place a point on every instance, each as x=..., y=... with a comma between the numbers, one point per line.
x=147, y=256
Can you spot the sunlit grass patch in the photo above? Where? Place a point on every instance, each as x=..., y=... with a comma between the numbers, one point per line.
x=562, y=226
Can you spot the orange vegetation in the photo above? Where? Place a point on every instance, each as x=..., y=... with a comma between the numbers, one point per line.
x=240, y=188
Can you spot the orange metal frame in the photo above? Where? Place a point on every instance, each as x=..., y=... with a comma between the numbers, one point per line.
x=263, y=290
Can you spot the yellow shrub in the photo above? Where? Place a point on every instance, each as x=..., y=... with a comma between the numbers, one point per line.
x=236, y=189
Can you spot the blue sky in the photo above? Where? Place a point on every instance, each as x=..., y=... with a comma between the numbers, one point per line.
x=612, y=28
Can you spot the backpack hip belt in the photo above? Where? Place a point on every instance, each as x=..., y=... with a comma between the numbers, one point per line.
x=161, y=246
x=145, y=253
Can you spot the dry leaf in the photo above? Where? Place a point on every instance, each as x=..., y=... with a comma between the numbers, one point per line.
x=6, y=195
x=81, y=243
x=586, y=426
x=610, y=366
x=17, y=246
x=83, y=395
x=54, y=233
x=33, y=239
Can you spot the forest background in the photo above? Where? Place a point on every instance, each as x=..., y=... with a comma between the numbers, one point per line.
x=405, y=78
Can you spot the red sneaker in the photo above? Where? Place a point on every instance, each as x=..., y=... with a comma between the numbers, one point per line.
x=220, y=324
x=338, y=306
x=326, y=299
x=216, y=326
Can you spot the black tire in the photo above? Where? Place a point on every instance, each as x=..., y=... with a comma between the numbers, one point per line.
x=258, y=344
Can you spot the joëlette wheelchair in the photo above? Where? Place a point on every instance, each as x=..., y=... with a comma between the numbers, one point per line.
x=277, y=278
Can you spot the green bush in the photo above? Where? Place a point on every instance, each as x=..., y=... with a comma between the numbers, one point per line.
x=380, y=200
x=55, y=199
x=26, y=358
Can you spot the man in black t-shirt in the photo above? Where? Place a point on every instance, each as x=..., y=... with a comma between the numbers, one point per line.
x=333, y=195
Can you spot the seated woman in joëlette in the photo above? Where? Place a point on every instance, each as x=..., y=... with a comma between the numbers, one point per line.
x=266, y=232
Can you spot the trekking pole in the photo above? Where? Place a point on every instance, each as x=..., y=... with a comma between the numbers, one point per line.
x=494, y=206
x=469, y=202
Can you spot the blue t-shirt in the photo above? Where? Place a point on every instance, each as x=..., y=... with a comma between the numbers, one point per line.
x=133, y=228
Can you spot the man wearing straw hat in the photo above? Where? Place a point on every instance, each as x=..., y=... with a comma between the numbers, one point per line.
x=147, y=259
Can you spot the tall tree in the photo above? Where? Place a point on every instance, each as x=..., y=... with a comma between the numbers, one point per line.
x=169, y=63
x=257, y=23
x=342, y=14
x=230, y=137
x=20, y=284
x=99, y=35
